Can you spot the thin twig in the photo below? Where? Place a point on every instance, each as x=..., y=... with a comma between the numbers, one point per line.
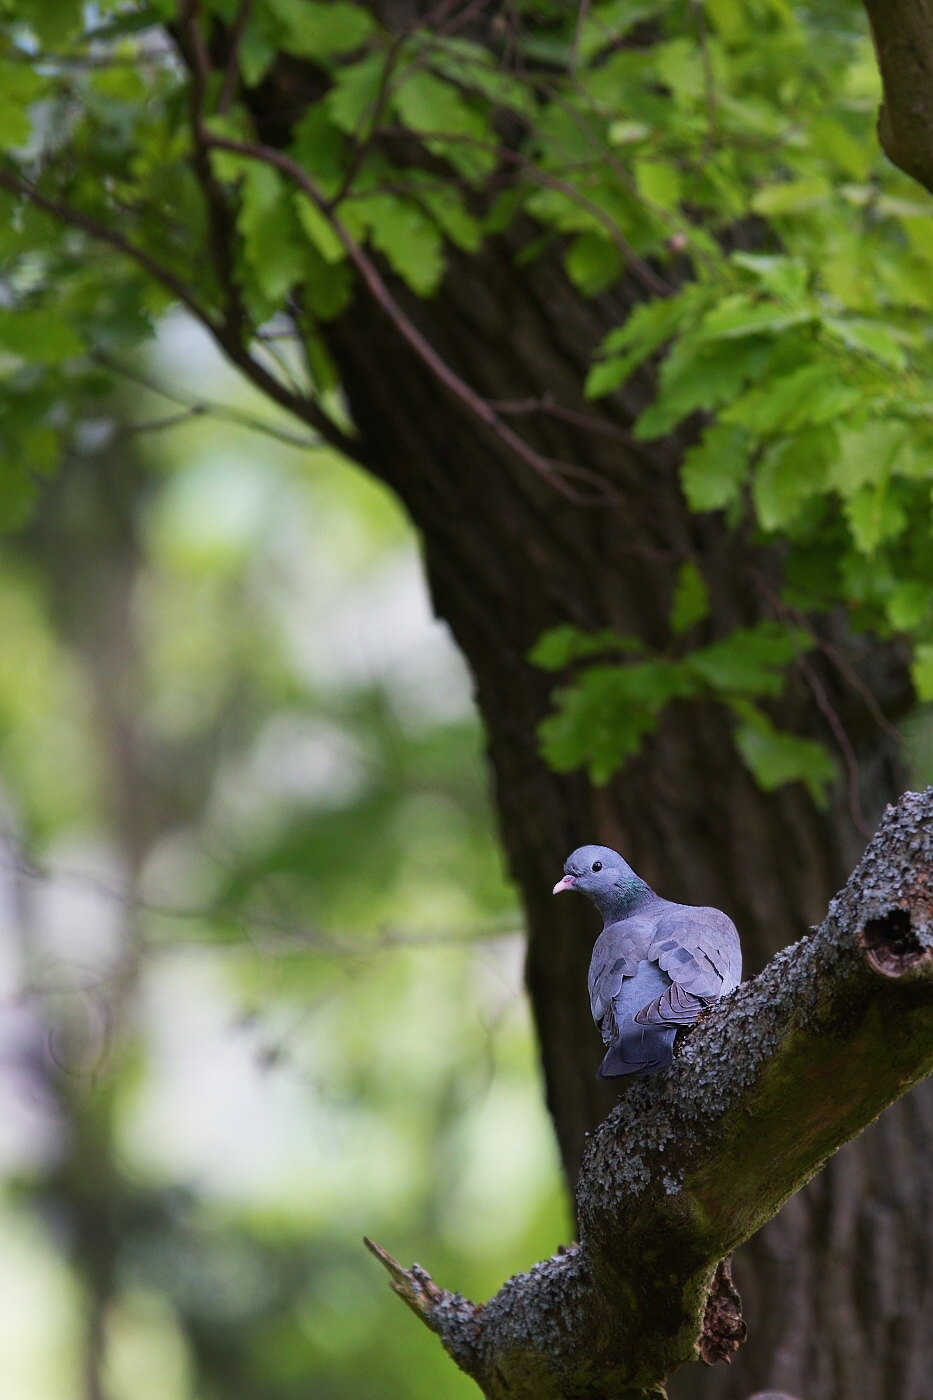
x=303, y=408
x=231, y=331
x=709, y=83
x=75, y=218
x=645, y=274
x=851, y=676
x=369, y=117
x=833, y=653
x=546, y=405
x=193, y=408
x=159, y=425
x=842, y=739
x=830, y=715
x=481, y=408
x=578, y=34
x=233, y=57
x=605, y=153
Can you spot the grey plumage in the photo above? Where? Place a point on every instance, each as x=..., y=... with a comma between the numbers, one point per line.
x=655, y=966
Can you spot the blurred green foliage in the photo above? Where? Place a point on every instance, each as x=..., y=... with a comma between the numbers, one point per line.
x=213, y=713
x=276, y=1004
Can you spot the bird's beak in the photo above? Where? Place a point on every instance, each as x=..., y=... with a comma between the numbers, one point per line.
x=567, y=883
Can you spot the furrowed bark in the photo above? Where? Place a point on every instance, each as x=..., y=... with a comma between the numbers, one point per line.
x=903, y=35
x=506, y=559
x=691, y=1163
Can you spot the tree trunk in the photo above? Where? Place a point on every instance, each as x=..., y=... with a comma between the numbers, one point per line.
x=507, y=556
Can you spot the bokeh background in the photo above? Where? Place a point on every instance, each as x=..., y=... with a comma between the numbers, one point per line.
x=260, y=962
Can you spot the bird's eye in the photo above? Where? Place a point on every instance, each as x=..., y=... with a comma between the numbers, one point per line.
x=597, y=865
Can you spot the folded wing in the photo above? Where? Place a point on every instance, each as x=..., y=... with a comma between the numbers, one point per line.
x=699, y=950
x=616, y=955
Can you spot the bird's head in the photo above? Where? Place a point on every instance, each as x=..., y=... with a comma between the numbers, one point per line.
x=607, y=879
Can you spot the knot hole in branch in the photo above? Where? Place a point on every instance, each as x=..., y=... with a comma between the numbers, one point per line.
x=891, y=944
x=724, y=1328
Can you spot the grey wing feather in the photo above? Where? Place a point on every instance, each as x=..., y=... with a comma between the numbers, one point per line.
x=616, y=955
x=699, y=949
x=674, y=1007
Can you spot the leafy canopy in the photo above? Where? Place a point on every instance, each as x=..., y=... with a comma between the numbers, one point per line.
x=722, y=152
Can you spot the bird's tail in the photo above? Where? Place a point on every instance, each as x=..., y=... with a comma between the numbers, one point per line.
x=639, y=1050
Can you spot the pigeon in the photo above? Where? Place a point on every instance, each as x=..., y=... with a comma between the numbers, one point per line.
x=655, y=966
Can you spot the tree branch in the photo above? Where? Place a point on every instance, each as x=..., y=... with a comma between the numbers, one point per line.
x=76, y=218
x=693, y=1162
x=305, y=409
x=903, y=35
x=554, y=472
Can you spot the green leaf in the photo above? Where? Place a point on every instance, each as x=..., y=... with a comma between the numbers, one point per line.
x=679, y=65
x=909, y=604
x=750, y=661
x=785, y=277
x=867, y=455
x=870, y=337
x=613, y=727
x=256, y=53
x=398, y=228
x=922, y=671
x=319, y=230
x=556, y=648
x=650, y=325
x=874, y=515
x=774, y=758
x=791, y=471
x=607, y=23
x=436, y=108
x=740, y=315
x=447, y=207
x=811, y=394
x=792, y=196
x=39, y=334
x=319, y=146
x=691, y=599
x=270, y=236
x=829, y=138
x=326, y=287
x=430, y=105
x=593, y=263
x=658, y=183
x=473, y=67
x=317, y=30
x=697, y=375
x=714, y=472
x=19, y=86
x=603, y=718
x=353, y=99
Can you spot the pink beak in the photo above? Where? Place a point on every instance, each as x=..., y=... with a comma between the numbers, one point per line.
x=567, y=883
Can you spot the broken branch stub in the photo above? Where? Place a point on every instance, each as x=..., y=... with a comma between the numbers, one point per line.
x=691, y=1163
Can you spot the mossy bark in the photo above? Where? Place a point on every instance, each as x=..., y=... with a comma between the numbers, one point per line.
x=691, y=1163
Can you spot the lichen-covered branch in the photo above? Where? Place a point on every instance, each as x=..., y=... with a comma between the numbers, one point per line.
x=693, y=1162
x=903, y=35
